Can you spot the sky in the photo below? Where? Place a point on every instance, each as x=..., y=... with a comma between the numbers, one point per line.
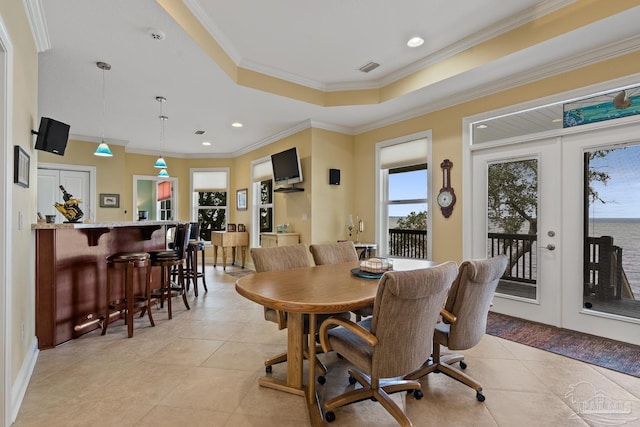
x=404, y=186
x=622, y=192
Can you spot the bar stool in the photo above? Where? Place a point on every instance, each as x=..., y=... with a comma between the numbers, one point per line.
x=195, y=246
x=134, y=297
x=167, y=261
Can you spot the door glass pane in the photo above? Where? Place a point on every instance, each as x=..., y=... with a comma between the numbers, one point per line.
x=512, y=222
x=612, y=227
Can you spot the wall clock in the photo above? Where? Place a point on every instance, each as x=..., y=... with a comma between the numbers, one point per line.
x=446, y=198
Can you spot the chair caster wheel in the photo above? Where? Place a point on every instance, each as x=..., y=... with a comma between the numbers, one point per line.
x=268, y=369
x=322, y=379
x=352, y=380
x=463, y=365
x=480, y=396
x=329, y=416
x=418, y=394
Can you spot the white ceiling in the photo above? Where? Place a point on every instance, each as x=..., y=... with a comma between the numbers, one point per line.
x=317, y=44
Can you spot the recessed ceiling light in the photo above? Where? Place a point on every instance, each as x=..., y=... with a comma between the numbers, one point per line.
x=482, y=127
x=207, y=143
x=415, y=41
x=236, y=124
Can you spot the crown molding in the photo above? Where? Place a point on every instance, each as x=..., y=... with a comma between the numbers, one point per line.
x=215, y=32
x=604, y=53
x=504, y=26
x=541, y=9
x=38, y=24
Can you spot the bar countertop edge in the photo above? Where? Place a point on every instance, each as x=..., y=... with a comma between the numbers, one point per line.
x=114, y=224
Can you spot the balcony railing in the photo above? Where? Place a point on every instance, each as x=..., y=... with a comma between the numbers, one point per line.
x=408, y=243
x=521, y=250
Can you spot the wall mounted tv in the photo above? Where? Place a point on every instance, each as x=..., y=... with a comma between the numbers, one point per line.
x=286, y=167
x=52, y=136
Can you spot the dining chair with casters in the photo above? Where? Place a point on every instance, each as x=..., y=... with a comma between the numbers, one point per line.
x=394, y=341
x=278, y=259
x=168, y=260
x=337, y=253
x=464, y=319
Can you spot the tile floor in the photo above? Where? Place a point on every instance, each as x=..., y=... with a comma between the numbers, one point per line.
x=201, y=369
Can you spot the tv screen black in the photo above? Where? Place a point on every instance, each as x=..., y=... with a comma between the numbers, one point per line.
x=286, y=167
x=52, y=136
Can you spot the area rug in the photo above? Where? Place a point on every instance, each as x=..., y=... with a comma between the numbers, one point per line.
x=239, y=273
x=614, y=355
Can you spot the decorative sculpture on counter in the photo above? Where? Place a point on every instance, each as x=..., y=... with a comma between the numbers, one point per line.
x=71, y=207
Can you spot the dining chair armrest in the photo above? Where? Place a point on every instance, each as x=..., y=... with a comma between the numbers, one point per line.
x=347, y=324
x=447, y=316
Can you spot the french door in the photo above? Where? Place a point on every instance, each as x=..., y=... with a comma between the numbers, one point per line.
x=533, y=201
x=517, y=211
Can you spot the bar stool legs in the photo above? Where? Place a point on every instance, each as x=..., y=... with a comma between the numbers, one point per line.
x=168, y=289
x=131, y=264
x=192, y=266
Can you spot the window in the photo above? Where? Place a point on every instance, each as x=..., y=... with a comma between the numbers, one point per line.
x=403, y=207
x=265, y=208
x=209, y=200
x=263, y=214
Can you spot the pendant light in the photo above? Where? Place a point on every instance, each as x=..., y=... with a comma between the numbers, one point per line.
x=161, y=163
x=103, y=149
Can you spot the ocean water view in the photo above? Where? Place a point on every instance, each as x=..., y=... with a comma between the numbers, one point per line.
x=626, y=234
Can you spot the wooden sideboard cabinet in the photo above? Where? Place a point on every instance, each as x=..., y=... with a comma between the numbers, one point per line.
x=270, y=240
x=233, y=239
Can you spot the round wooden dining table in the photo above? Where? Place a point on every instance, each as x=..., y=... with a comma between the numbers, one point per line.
x=322, y=289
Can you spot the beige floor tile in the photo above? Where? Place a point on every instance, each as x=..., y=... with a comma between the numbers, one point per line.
x=242, y=356
x=185, y=352
x=161, y=416
x=531, y=409
x=500, y=374
x=273, y=404
x=201, y=369
x=211, y=389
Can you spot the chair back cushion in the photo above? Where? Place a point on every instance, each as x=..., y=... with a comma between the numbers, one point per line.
x=280, y=258
x=405, y=312
x=470, y=299
x=334, y=253
x=181, y=240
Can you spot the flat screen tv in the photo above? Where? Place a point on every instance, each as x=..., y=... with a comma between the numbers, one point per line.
x=52, y=136
x=286, y=167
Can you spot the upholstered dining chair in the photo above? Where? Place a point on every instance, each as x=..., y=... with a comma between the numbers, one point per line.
x=278, y=259
x=390, y=343
x=464, y=318
x=336, y=253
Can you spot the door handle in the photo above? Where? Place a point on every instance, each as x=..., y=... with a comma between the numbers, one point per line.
x=549, y=247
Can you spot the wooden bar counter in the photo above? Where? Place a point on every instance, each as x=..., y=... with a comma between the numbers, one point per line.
x=71, y=272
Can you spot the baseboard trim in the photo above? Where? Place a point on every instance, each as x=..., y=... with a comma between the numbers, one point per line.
x=19, y=388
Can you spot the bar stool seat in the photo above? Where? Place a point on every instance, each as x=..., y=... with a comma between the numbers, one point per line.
x=135, y=290
x=192, y=265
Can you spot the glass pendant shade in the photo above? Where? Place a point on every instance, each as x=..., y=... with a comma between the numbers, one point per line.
x=160, y=163
x=163, y=173
x=103, y=150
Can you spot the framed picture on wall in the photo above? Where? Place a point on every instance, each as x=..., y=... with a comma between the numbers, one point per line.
x=109, y=200
x=241, y=199
x=21, y=165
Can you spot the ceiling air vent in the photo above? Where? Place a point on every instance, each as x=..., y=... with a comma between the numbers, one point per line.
x=369, y=66
x=200, y=132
